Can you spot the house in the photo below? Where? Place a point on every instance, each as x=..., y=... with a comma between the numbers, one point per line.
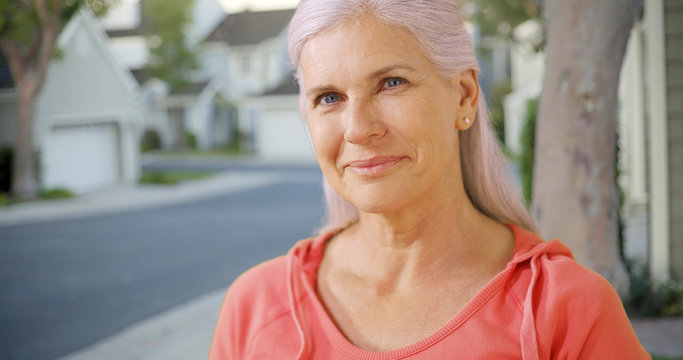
x=248, y=50
x=175, y=117
x=650, y=132
x=87, y=117
x=279, y=132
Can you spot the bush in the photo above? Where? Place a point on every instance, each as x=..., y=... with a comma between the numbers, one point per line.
x=526, y=158
x=5, y=168
x=4, y=199
x=150, y=140
x=191, y=141
x=500, y=90
x=649, y=299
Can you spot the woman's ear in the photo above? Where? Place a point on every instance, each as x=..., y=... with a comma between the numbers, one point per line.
x=467, y=85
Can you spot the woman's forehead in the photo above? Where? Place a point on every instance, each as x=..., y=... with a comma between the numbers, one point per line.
x=360, y=46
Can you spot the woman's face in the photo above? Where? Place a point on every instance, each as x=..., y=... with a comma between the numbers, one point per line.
x=383, y=120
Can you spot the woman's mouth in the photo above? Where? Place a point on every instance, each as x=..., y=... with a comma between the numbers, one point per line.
x=374, y=166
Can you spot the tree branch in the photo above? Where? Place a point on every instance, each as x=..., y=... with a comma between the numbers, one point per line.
x=51, y=21
x=41, y=9
x=13, y=56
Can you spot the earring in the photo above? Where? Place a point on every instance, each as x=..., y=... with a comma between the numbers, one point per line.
x=467, y=121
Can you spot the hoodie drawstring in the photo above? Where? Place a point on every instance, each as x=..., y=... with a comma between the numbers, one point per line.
x=529, y=339
x=294, y=304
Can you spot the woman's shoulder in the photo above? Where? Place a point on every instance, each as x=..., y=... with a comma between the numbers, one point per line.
x=264, y=287
x=554, y=271
x=558, y=279
x=573, y=308
x=266, y=278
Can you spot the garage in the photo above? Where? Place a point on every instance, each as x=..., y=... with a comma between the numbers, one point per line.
x=281, y=135
x=81, y=158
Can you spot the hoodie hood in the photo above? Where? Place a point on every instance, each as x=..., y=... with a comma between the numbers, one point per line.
x=305, y=257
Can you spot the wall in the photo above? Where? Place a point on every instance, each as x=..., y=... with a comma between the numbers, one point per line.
x=673, y=28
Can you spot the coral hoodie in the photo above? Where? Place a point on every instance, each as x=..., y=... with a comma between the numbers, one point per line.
x=542, y=306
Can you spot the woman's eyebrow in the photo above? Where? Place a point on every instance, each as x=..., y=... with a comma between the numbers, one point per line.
x=390, y=68
x=382, y=71
x=320, y=89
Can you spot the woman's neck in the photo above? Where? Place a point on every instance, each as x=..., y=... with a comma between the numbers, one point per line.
x=422, y=245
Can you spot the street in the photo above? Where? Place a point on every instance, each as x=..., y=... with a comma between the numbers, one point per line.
x=66, y=284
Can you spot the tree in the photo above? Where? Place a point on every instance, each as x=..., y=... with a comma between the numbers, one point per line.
x=496, y=17
x=171, y=59
x=575, y=195
x=28, y=35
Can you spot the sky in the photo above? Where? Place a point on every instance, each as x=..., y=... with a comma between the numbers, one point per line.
x=238, y=5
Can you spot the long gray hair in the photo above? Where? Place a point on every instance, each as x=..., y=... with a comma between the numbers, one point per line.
x=439, y=29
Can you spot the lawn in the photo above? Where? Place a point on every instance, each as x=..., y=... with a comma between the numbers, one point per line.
x=172, y=177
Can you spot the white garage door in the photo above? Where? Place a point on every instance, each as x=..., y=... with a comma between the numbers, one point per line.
x=81, y=158
x=282, y=135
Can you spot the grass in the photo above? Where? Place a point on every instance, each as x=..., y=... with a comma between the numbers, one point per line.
x=172, y=177
x=49, y=194
x=232, y=150
x=57, y=193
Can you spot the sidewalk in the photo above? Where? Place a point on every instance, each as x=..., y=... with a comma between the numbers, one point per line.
x=181, y=333
x=137, y=197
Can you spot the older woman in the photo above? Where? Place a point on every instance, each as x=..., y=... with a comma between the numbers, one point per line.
x=428, y=253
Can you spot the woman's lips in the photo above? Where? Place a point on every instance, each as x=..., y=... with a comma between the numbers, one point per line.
x=373, y=166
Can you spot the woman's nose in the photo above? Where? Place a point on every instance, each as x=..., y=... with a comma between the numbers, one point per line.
x=362, y=122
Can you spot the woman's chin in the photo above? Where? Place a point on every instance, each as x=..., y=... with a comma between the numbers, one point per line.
x=379, y=202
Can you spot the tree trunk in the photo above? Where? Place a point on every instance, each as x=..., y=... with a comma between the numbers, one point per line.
x=574, y=195
x=28, y=62
x=24, y=185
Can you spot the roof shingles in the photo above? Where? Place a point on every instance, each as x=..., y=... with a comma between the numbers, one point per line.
x=251, y=27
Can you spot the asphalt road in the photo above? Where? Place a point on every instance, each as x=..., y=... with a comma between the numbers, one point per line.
x=65, y=285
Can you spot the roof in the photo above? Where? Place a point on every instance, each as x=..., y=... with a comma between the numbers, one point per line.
x=194, y=88
x=251, y=27
x=138, y=30
x=85, y=20
x=288, y=86
x=140, y=75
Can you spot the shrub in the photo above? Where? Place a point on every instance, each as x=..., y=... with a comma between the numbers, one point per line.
x=500, y=90
x=4, y=199
x=526, y=158
x=150, y=140
x=5, y=168
x=649, y=299
x=191, y=141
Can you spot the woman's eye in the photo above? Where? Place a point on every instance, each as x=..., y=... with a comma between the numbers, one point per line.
x=393, y=82
x=329, y=99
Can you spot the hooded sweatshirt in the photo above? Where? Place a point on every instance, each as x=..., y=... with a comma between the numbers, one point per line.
x=544, y=305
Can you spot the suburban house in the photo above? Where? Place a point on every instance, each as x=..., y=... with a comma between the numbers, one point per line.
x=243, y=90
x=87, y=120
x=248, y=50
x=650, y=131
x=185, y=117
x=279, y=131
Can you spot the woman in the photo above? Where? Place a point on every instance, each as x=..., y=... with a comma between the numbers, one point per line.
x=428, y=253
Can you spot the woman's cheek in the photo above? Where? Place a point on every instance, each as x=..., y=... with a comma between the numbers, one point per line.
x=324, y=135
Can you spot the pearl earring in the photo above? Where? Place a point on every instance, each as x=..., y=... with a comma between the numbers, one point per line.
x=467, y=121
